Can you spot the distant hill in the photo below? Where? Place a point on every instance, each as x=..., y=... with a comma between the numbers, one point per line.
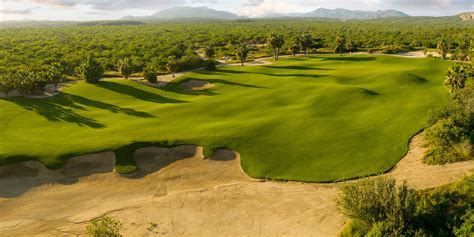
x=467, y=16
x=187, y=12
x=342, y=14
x=109, y=23
x=28, y=23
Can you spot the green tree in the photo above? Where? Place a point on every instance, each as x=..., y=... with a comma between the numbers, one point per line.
x=294, y=46
x=209, y=52
x=340, y=44
x=456, y=77
x=6, y=84
x=241, y=52
x=172, y=65
x=443, y=48
x=104, y=227
x=306, y=41
x=90, y=70
x=125, y=67
x=351, y=46
x=55, y=74
x=275, y=41
x=149, y=74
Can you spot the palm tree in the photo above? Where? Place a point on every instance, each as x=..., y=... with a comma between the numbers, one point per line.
x=456, y=77
x=294, y=46
x=242, y=53
x=350, y=46
x=172, y=65
x=276, y=41
x=125, y=67
x=442, y=48
x=306, y=41
x=340, y=44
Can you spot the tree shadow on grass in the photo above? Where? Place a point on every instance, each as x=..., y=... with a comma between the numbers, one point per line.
x=137, y=93
x=296, y=67
x=302, y=75
x=61, y=108
x=352, y=59
x=417, y=79
x=231, y=83
x=56, y=110
x=106, y=106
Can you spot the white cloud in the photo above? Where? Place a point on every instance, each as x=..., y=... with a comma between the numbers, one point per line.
x=256, y=8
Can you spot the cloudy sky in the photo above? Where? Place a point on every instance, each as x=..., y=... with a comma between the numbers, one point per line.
x=114, y=9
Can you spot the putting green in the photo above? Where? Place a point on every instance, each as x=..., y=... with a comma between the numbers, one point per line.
x=323, y=118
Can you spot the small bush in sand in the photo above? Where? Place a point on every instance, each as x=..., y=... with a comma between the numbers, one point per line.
x=104, y=227
x=378, y=205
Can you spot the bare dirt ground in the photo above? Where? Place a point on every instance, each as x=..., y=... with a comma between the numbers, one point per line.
x=185, y=194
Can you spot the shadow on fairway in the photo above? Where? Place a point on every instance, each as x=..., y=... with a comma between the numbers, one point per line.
x=231, y=83
x=137, y=93
x=61, y=108
x=352, y=59
x=295, y=67
x=300, y=75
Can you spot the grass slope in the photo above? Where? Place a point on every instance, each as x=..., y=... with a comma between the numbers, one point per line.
x=325, y=118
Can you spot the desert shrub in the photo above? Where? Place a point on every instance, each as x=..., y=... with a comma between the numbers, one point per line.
x=7, y=84
x=379, y=200
x=450, y=138
x=125, y=169
x=150, y=74
x=189, y=61
x=210, y=64
x=91, y=71
x=354, y=228
x=104, y=227
x=379, y=208
x=440, y=210
x=467, y=226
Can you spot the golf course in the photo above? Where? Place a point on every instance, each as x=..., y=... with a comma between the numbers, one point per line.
x=322, y=118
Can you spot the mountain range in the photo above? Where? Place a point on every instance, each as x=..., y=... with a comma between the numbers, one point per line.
x=186, y=12
x=207, y=13
x=342, y=14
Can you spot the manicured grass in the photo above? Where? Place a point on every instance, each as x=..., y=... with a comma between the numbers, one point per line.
x=325, y=118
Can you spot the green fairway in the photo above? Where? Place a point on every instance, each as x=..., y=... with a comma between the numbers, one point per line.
x=323, y=118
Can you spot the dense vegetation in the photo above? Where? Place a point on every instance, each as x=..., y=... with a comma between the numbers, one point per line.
x=155, y=43
x=319, y=118
x=379, y=207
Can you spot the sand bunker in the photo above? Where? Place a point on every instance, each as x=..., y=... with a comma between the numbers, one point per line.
x=17, y=179
x=196, y=85
x=186, y=194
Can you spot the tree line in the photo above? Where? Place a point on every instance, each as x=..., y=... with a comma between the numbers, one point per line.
x=33, y=79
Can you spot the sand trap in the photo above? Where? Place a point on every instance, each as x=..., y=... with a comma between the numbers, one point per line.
x=16, y=179
x=187, y=194
x=196, y=85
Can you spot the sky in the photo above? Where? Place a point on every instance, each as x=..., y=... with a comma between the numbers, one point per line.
x=83, y=10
